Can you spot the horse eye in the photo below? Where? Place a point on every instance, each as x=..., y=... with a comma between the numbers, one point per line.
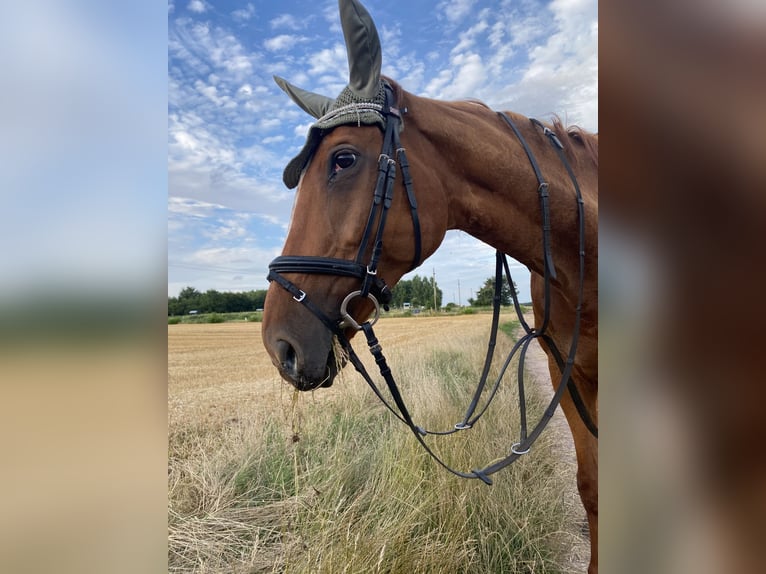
x=343, y=160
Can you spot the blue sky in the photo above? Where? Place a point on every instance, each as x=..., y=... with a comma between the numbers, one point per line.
x=232, y=130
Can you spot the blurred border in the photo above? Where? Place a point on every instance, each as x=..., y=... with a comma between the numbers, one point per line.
x=683, y=214
x=82, y=287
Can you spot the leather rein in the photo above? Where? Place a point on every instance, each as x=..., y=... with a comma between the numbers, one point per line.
x=375, y=289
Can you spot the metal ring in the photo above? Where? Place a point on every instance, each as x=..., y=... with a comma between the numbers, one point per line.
x=347, y=320
x=514, y=451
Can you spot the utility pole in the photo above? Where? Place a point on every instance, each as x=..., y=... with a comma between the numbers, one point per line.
x=434, y=284
x=459, y=301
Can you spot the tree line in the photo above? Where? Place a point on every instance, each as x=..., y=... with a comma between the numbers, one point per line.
x=486, y=294
x=212, y=301
x=419, y=292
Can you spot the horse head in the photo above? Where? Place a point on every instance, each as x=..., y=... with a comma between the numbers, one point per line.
x=356, y=227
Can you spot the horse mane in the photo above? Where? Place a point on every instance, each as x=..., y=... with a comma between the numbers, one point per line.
x=578, y=137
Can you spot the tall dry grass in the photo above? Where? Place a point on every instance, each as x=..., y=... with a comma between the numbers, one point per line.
x=333, y=483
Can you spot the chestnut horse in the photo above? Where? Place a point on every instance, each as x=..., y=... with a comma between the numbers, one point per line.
x=464, y=168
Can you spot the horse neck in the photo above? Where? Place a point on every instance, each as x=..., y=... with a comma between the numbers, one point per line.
x=474, y=159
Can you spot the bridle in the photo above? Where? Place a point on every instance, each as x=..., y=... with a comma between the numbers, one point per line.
x=374, y=288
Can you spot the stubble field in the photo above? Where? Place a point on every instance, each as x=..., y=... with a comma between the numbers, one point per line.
x=261, y=479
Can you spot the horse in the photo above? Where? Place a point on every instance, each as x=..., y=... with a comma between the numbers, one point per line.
x=357, y=228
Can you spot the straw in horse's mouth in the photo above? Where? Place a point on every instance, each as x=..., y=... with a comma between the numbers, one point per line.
x=336, y=360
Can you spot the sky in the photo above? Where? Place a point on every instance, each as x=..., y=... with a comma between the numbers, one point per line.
x=231, y=130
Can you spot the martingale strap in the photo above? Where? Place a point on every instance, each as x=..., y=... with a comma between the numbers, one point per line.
x=374, y=287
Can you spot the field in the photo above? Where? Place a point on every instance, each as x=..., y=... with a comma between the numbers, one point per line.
x=262, y=479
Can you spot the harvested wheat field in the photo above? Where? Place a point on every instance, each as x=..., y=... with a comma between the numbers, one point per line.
x=261, y=479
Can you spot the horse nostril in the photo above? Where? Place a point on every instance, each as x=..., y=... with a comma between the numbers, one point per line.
x=287, y=360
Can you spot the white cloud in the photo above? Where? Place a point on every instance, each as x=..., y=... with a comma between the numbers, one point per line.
x=191, y=207
x=230, y=256
x=470, y=76
x=283, y=42
x=437, y=84
x=287, y=21
x=245, y=91
x=197, y=6
x=211, y=93
x=329, y=60
x=204, y=48
x=232, y=228
x=456, y=10
x=301, y=130
x=469, y=37
x=269, y=123
x=244, y=14
x=330, y=16
x=564, y=69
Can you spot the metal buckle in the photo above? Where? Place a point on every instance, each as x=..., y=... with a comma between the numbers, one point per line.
x=300, y=297
x=514, y=451
x=347, y=320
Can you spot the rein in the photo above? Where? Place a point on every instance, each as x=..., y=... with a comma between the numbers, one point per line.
x=377, y=291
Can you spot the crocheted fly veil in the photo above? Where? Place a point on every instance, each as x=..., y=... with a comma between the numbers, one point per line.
x=360, y=102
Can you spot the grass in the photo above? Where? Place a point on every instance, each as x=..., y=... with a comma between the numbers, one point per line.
x=332, y=482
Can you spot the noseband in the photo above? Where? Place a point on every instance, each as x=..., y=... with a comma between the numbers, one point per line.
x=377, y=291
x=372, y=286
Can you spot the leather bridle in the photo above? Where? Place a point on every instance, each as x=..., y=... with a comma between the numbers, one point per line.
x=372, y=286
x=375, y=289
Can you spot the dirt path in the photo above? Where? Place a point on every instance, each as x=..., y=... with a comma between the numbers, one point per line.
x=537, y=369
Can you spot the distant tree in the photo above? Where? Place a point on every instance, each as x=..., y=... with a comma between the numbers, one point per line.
x=257, y=299
x=188, y=293
x=213, y=301
x=189, y=298
x=401, y=293
x=486, y=294
x=419, y=291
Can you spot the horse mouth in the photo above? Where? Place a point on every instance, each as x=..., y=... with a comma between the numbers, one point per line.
x=302, y=378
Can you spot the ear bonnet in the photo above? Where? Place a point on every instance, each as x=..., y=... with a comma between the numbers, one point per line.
x=361, y=101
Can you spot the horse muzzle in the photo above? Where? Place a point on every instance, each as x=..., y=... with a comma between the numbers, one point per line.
x=303, y=374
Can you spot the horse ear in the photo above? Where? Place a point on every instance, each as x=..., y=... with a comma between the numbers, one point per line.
x=314, y=104
x=363, y=48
